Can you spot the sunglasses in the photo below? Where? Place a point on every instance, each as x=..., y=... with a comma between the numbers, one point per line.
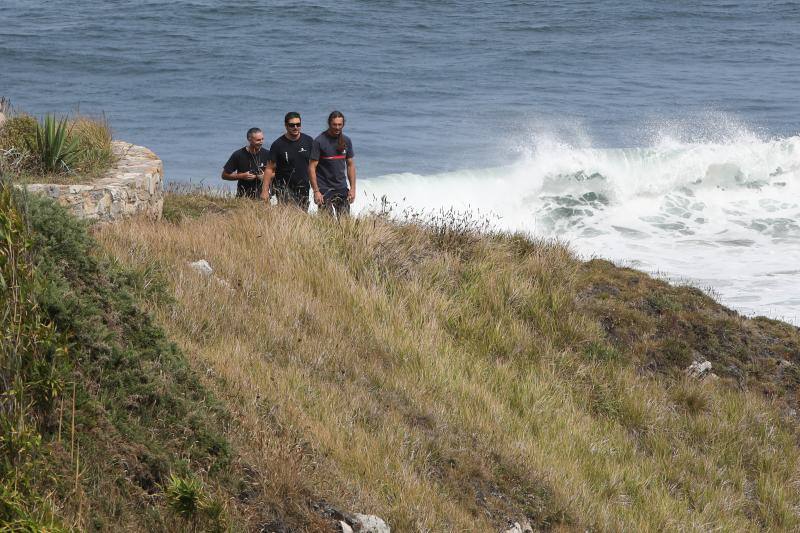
x=293, y=125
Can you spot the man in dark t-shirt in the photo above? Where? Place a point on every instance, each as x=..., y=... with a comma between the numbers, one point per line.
x=288, y=163
x=246, y=165
x=332, y=168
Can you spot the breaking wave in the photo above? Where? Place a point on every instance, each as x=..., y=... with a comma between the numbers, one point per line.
x=720, y=214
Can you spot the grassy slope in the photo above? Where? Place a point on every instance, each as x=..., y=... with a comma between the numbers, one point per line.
x=121, y=413
x=447, y=382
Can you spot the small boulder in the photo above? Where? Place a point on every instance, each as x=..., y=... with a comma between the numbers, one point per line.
x=202, y=267
x=370, y=524
x=699, y=369
x=345, y=527
x=520, y=527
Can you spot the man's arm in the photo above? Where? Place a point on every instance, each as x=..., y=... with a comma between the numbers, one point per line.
x=236, y=176
x=351, y=177
x=269, y=175
x=230, y=172
x=312, y=177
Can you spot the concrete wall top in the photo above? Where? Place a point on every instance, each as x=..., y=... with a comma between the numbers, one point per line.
x=133, y=186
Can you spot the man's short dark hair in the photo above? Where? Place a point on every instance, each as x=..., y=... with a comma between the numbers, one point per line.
x=290, y=115
x=252, y=131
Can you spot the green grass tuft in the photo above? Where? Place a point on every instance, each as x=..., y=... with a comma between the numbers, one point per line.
x=185, y=496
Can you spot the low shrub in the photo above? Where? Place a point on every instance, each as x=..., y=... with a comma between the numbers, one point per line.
x=32, y=370
x=97, y=406
x=15, y=135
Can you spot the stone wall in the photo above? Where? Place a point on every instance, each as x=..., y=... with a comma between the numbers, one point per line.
x=134, y=186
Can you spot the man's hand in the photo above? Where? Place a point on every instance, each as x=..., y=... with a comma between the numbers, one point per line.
x=247, y=176
x=351, y=195
x=318, y=198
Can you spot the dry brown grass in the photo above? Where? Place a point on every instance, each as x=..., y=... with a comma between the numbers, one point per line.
x=451, y=382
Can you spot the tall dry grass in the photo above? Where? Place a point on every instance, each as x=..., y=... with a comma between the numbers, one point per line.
x=447, y=381
x=93, y=137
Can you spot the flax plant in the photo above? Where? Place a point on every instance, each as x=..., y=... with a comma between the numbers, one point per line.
x=55, y=147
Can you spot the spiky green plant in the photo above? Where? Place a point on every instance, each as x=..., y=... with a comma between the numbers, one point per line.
x=185, y=496
x=54, y=146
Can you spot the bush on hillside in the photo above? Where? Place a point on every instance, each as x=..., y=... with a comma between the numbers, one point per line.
x=16, y=134
x=108, y=423
x=32, y=369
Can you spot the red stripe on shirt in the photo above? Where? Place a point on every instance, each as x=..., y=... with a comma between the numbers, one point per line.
x=333, y=157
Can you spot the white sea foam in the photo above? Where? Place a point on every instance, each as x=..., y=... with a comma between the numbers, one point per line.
x=723, y=214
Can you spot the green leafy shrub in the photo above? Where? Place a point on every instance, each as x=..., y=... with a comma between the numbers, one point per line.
x=15, y=135
x=130, y=380
x=32, y=369
x=14, y=514
x=57, y=299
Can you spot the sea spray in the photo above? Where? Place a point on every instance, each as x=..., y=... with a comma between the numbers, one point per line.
x=721, y=214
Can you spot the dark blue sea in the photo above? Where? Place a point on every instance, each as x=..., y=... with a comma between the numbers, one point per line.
x=662, y=135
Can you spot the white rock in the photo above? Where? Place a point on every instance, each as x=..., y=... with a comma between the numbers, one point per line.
x=202, y=266
x=371, y=524
x=699, y=369
x=345, y=528
x=524, y=527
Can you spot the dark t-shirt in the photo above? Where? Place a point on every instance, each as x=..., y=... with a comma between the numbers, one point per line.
x=332, y=166
x=291, y=160
x=243, y=161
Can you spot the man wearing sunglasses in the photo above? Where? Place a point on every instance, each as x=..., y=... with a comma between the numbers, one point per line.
x=288, y=165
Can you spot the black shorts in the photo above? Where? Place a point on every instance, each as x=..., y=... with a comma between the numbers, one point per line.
x=336, y=204
x=291, y=194
x=248, y=189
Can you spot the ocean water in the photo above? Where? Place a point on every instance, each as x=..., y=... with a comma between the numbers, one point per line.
x=661, y=135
